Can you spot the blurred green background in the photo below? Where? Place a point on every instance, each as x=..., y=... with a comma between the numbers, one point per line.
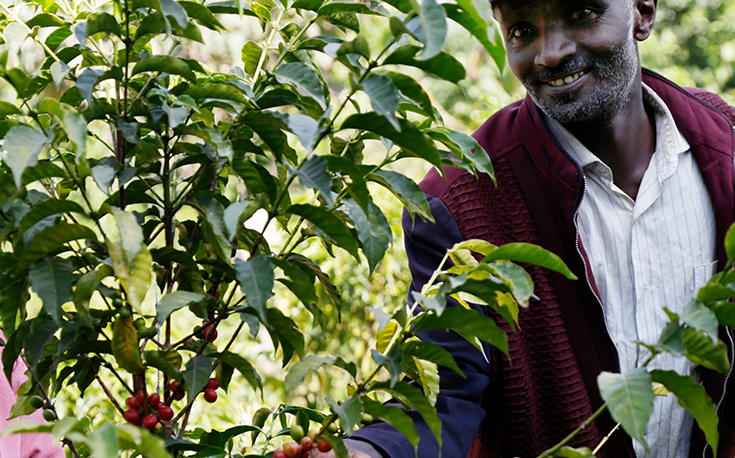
x=693, y=44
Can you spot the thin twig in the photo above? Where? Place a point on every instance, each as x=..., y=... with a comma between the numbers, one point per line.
x=109, y=394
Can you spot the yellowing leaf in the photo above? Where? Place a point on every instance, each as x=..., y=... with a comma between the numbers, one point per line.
x=125, y=345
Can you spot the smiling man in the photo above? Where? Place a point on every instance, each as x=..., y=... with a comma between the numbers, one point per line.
x=630, y=180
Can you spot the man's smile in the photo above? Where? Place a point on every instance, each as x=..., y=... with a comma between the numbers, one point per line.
x=569, y=79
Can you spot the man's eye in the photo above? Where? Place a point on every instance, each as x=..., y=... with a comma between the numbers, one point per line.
x=519, y=32
x=581, y=13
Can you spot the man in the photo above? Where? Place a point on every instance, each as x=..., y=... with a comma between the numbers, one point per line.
x=629, y=179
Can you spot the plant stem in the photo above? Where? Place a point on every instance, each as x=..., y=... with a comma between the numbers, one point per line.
x=109, y=394
x=566, y=440
x=70, y=444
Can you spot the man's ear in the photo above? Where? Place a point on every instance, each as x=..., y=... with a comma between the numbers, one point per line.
x=644, y=12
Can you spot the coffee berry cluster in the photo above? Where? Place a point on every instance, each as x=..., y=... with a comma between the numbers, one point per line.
x=301, y=446
x=147, y=412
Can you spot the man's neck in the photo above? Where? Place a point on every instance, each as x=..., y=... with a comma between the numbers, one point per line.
x=624, y=143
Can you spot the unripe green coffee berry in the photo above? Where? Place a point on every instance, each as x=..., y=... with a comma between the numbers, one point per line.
x=139, y=323
x=49, y=415
x=125, y=312
x=36, y=401
x=297, y=432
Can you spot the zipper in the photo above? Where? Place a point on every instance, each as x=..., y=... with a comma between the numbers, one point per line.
x=724, y=388
x=584, y=264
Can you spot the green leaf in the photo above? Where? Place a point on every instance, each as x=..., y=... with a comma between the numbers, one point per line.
x=7, y=109
x=202, y=14
x=725, y=312
x=411, y=395
x=434, y=28
x=51, y=279
x=306, y=129
x=86, y=82
x=671, y=339
x=298, y=371
x=51, y=238
x=46, y=208
x=304, y=79
x=430, y=351
x=357, y=189
x=712, y=292
x=697, y=316
x=125, y=345
x=383, y=96
x=701, y=350
x=243, y=367
x=349, y=412
x=443, y=65
x=409, y=137
x=531, y=254
x=44, y=20
x=359, y=46
x=730, y=246
x=165, y=64
x=313, y=173
x=102, y=22
x=468, y=323
x=168, y=361
x=85, y=288
x=270, y=128
x=373, y=231
x=22, y=145
x=569, y=452
x=395, y=416
x=477, y=18
x=630, y=400
x=406, y=190
x=465, y=148
x=176, y=11
x=250, y=54
x=196, y=376
x=410, y=88
x=256, y=282
x=345, y=7
x=693, y=397
x=328, y=226
x=103, y=442
x=134, y=275
x=176, y=300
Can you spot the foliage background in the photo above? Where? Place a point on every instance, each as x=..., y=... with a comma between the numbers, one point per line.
x=693, y=44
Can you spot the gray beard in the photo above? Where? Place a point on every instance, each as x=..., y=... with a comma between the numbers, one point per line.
x=616, y=75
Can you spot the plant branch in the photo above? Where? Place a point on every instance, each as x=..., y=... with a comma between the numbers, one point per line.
x=550, y=452
x=109, y=394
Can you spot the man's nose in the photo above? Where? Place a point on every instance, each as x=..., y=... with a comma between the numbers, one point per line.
x=555, y=47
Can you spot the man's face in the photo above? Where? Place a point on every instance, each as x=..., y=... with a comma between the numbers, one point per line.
x=578, y=59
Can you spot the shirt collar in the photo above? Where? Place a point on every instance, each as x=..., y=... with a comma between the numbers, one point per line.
x=669, y=140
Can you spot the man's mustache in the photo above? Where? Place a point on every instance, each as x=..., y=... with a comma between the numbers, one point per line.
x=566, y=68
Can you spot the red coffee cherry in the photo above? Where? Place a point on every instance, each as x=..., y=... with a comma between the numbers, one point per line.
x=213, y=383
x=140, y=398
x=130, y=402
x=291, y=449
x=323, y=446
x=165, y=413
x=210, y=395
x=154, y=399
x=132, y=416
x=279, y=454
x=307, y=444
x=150, y=422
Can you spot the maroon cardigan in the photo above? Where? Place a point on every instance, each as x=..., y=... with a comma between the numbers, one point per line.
x=548, y=387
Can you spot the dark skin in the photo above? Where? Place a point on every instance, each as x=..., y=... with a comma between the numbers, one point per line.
x=549, y=40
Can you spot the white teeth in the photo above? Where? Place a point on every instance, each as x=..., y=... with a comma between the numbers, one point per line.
x=568, y=80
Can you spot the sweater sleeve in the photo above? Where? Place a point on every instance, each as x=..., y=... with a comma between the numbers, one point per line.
x=459, y=404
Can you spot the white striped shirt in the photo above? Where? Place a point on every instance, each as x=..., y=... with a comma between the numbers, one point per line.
x=647, y=254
